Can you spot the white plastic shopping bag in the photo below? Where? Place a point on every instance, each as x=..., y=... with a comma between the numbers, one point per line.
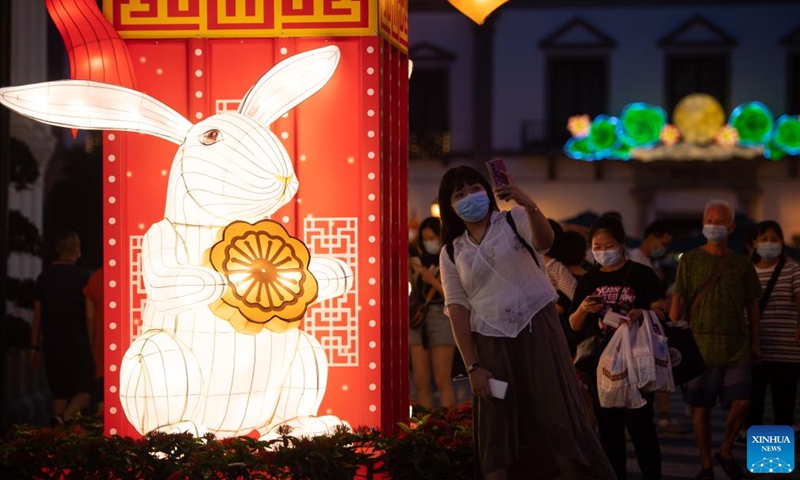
x=660, y=348
x=644, y=361
x=616, y=382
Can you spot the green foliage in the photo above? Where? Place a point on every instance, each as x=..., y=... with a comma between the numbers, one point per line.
x=436, y=445
x=18, y=332
x=432, y=446
x=23, y=236
x=23, y=168
x=23, y=292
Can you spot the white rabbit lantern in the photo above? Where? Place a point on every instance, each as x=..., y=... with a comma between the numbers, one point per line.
x=197, y=366
x=348, y=145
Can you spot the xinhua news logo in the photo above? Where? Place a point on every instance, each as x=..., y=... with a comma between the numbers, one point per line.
x=770, y=449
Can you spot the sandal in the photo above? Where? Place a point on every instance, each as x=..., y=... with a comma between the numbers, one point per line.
x=731, y=468
x=705, y=474
x=56, y=421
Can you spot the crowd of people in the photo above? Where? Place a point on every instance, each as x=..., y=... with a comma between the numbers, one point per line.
x=517, y=293
x=67, y=331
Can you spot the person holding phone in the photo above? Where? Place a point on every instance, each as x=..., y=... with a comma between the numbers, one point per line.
x=621, y=289
x=431, y=345
x=502, y=311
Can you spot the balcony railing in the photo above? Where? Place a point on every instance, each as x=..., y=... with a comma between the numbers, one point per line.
x=428, y=144
x=536, y=135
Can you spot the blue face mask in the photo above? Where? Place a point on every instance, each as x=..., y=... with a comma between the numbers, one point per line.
x=473, y=207
x=715, y=233
x=658, y=252
x=769, y=250
x=432, y=247
x=607, y=258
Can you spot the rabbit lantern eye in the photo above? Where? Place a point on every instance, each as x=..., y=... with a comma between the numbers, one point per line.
x=211, y=137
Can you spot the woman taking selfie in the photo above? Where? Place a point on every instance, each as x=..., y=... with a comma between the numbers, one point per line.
x=502, y=311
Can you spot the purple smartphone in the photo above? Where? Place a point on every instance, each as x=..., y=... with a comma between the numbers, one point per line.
x=497, y=172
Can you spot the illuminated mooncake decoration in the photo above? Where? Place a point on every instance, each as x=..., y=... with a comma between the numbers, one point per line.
x=269, y=284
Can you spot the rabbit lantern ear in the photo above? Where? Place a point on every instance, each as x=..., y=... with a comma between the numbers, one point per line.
x=96, y=106
x=288, y=83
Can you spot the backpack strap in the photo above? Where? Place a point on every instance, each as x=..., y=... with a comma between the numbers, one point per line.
x=762, y=304
x=513, y=225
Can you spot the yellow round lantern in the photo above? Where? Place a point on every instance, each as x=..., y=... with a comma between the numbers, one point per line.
x=699, y=117
x=477, y=10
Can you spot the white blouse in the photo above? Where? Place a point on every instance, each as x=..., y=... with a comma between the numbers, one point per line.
x=497, y=280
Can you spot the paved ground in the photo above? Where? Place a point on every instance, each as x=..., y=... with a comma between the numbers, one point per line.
x=679, y=457
x=679, y=453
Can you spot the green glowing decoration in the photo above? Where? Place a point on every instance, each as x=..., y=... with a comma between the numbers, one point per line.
x=621, y=153
x=579, y=149
x=773, y=152
x=640, y=124
x=754, y=123
x=603, y=138
x=787, y=134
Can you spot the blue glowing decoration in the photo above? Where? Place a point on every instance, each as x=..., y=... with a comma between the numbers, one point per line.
x=603, y=138
x=787, y=134
x=640, y=125
x=754, y=122
x=578, y=148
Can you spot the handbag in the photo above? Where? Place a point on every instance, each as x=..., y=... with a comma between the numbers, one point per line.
x=684, y=354
x=418, y=311
x=588, y=352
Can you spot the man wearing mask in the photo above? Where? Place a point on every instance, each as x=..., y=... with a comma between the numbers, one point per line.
x=714, y=288
x=657, y=237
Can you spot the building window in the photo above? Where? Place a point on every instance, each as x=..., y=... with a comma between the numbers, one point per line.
x=687, y=74
x=793, y=84
x=429, y=101
x=577, y=81
x=791, y=42
x=576, y=86
x=697, y=60
x=428, y=113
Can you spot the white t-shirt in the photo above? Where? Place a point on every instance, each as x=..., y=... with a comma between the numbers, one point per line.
x=561, y=278
x=638, y=256
x=497, y=281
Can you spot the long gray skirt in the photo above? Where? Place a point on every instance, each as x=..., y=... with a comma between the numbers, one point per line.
x=544, y=410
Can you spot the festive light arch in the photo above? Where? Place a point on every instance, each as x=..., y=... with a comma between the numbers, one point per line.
x=642, y=133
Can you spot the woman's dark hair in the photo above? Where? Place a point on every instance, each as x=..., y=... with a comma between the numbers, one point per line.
x=557, y=249
x=452, y=180
x=610, y=224
x=761, y=229
x=434, y=225
x=573, y=248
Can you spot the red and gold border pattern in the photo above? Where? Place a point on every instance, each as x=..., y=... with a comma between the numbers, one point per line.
x=241, y=18
x=394, y=22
